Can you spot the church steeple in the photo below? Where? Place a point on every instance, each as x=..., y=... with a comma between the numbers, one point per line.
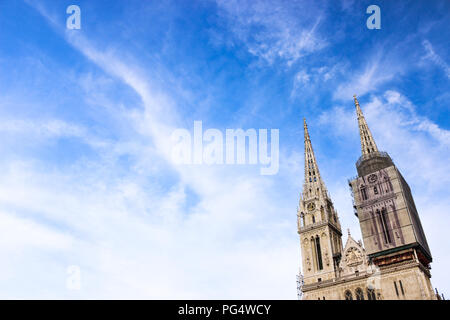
x=318, y=223
x=312, y=174
x=368, y=144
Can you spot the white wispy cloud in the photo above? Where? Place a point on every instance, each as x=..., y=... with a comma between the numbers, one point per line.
x=275, y=32
x=433, y=56
x=378, y=70
x=307, y=80
x=203, y=232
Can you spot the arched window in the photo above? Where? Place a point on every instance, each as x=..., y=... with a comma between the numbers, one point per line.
x=371, y=294
x=383, y=223
x=363, y=193
x=348, y=295
x=336, y=244
x=401, y=286
x=384, y=218
x=375, y=190
x=359, y=294
x=319, y=254
x=314, y=254
x=388, y=184
x=313, y=219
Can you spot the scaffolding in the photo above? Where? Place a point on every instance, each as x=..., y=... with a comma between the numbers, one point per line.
x=300, y=283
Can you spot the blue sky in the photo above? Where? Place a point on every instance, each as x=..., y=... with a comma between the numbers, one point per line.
x=86, y=117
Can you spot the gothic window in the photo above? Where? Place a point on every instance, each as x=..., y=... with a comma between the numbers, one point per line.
x=371, y=294
x=396, y=289
x=359, y=294
x=383, y=223
x=348, y=295
x=401, y=287
x=313, y=251
x=336, y=245
x=313, y=219
x=386, y=180
x=319, y=253
x=375, y=190
x=386, y=230
x=303, y=220
x=377, y=213
x=363, y=193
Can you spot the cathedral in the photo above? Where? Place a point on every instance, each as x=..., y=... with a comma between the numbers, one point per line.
x=392, y=262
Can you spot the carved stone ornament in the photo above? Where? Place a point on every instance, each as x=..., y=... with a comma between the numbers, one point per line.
x=353, y=256
x=372, y=178
x=327, y=259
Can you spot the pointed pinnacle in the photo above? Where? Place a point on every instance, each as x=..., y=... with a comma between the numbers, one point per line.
x=305, y=127
x=368, y=144
x=358, y=108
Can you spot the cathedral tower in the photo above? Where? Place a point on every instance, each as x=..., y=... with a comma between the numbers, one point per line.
x=390, y=225
x=318, y=224
x=393, y=263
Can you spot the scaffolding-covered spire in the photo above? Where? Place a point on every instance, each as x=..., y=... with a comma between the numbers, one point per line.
x=368, y=144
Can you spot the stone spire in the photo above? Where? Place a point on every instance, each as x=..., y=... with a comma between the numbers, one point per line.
x=318, y=224
x=368, y=145
x=312, y=174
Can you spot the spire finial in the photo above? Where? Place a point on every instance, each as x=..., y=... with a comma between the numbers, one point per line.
x=348, y=230
x=367, y=142
x=305, y=127
x=358, y=108
x=312, y=174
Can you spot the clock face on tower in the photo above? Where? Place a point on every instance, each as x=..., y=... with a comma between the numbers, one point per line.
x=372, y=178
x=311, y=206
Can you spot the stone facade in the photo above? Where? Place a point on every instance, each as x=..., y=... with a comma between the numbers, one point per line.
x=394, y=262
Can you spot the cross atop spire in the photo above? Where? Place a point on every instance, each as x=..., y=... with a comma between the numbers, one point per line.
x=368, y=145
x=312, y=174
